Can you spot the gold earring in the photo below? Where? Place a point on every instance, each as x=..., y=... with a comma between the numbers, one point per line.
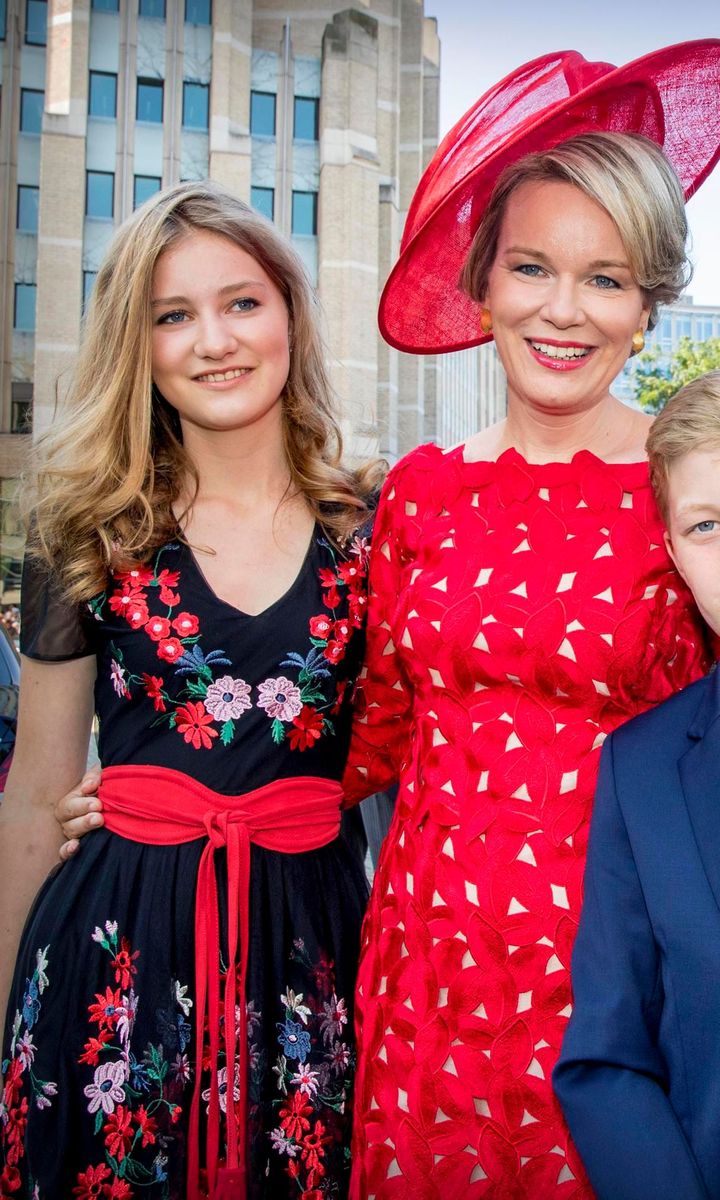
x=638, y=341
x=485, y=320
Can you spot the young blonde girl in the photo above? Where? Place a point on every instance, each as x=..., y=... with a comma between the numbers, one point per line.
x=180, y=1012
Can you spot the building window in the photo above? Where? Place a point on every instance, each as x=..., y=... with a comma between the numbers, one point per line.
x=99, y=189
x=31, y=110
x=145, y=186
x=262, y=114
x=24, y=313
x=196, y=105
x=105, y=5
x=304, y=213
x=306, y=118
x=3, y=19
x=21, y=395
x=263, y=201
x=152, y=8
x=89, y=278
x=103, y=94
x=149, y=101
x=198, y=12
x=36, y=22
x=27, y=208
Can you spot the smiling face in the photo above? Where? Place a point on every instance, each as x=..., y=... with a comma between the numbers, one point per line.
x=563, y=300
x=220, y=339
x=693, y=521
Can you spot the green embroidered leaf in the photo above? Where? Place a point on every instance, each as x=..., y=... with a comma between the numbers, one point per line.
x=277, y=731
x=227, y=732
x=197, y=689
x=172, y=720
x=98, y=1120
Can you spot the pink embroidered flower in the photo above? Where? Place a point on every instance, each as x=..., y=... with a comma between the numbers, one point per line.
x=117, y=678
x=158, y=628
x=306, y=1079
x=185, y=624
x=228, y=698
x=107, y=1089
x=222, y=1087
x=280, y=698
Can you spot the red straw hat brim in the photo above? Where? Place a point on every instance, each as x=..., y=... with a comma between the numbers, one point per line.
x=671, y=96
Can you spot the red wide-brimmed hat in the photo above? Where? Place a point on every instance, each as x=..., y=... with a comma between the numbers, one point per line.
x=671, y=96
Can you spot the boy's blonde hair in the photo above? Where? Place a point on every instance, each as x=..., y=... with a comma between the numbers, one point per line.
x=690, y=421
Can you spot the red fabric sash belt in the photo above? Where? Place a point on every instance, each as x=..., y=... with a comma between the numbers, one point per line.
x=162, y=807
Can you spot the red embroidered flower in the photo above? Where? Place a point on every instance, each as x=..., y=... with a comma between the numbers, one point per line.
x=328, y=578
x=306, y=728
x=137, y=576
x=170, y=649
x=158, y=628
x=332, y=598
x=167, y=581
x=136, y=614
x=13, y=1082
x=92, y=1182
x=320, y=627
x=10, y=1180
x=123, y=964
x=119, y=1190
x=294, y=1117
x=334, y=651
x=342, y=687
x=341, y=630
x=175, y=1113
x=186, y=624
x=147, y=1125
x=118, y=1132
x=121, y=601
x=313, y=1148
x=153, y=686
x=357, y=607
x=91, y=1052
x=108, y=1009
x=351, y=573
x=195, y=724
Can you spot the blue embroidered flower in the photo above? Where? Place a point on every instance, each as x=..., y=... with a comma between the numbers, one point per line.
x=31, y=1003
x=138, y=1075
x=294, y=1040
x=174, y=1030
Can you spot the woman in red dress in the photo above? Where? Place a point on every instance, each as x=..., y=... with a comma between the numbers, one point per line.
x=522, y=606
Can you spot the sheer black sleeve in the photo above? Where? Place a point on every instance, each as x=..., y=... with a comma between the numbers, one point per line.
x=52, y=629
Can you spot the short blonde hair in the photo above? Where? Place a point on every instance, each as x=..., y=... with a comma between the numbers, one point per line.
x=690, y=421
x=628, y=176
x=112, y=468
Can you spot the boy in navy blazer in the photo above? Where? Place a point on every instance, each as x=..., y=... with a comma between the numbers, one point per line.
x=639, y=1073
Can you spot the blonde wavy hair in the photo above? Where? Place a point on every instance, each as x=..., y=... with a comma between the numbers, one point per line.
x=104, y=480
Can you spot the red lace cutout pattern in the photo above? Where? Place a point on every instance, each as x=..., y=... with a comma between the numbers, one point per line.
x=517, y=614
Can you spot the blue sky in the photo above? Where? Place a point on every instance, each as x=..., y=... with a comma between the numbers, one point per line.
x=483, y=40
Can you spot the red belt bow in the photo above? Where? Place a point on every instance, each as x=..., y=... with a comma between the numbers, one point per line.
x=162, y=807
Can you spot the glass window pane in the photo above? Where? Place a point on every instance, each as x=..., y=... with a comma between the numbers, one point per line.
x=36, y=22
x=99, y=196
x=262, y=113
x=196, y=101
x=89, y=278
x=144, y=187
x=25, y=307
x=3, y=19
x=106, y=5
x=150, y=101
x=103, y=94
x=304, y=213
x=27, y=208
x=152, y=8
x=306, y=118
x=263, y=201
x=198, y=12
x=31, y=110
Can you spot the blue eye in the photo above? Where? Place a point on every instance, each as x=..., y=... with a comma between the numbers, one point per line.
x=705, y=526
x=245, y=304
x=172, y=318
x=532, y=270
x=604, y=281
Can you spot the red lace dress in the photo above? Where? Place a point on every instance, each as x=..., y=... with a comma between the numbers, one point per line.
x=519, y=613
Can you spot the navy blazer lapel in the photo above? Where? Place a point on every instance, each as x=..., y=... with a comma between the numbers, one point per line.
x=700, y=777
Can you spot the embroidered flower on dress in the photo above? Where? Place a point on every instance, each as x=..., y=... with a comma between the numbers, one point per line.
x=228, y=698
x=195, y=724
x=108, y=1087
x=280, y=698
x=223, y=1087
x=306, y=1079
x=282, y=1144
x=117, y=678
x=294, y=1039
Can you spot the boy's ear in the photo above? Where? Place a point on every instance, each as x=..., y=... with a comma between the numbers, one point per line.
x=669, y=547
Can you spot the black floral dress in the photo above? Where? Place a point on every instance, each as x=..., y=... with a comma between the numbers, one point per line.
x=98, y=1055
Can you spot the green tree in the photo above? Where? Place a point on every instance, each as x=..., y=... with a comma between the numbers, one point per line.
x=656, y=382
